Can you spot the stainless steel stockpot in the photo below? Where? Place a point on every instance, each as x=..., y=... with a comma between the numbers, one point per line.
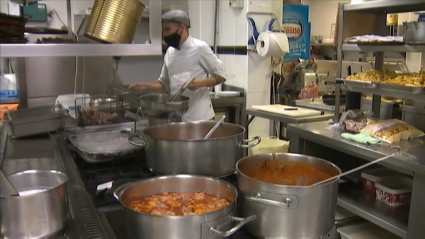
x=40, y=210
x=287, y=212
x=211, y=225
x=180, y=148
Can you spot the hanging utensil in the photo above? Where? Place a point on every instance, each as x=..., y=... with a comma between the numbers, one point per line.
x=358, y=168
x=212, y=130
x=181, y=90
x=6, y=186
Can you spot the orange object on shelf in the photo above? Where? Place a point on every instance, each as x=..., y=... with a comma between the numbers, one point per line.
x=6, y=107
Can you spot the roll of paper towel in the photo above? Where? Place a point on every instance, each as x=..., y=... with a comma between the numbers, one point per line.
x=272, y=44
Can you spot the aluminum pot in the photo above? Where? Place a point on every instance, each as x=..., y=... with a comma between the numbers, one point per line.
x=212, y=225
x=160, y=111
x=287, y=212
x=180, y=148
x=41, y=209
x=414, y=32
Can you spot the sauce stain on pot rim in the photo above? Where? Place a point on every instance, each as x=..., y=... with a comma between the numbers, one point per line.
x=121, y=190
x=274, y=156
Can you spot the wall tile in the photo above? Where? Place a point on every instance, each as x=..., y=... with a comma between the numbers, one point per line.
x=259, y=124
x=4, y=6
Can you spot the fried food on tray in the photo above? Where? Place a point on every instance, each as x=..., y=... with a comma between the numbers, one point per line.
x=179, y=204
x=386, y=76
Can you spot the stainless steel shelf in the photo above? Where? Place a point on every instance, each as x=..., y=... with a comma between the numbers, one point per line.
x=388, y=93
x=32, y=50
x=383, y=48
x=387, y=6
x=155, y=48
x=393, y=219
x=9, y=100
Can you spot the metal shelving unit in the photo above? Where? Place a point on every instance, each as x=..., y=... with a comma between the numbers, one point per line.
x=404, y=221
x=79, y=49
x=394, y=219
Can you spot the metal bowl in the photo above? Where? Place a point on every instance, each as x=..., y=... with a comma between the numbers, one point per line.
x=158, y=105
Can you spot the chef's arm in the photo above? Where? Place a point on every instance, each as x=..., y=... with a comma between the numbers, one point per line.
x=213, y=80
x=154, y=86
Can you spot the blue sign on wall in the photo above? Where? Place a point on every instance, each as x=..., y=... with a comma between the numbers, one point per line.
x=297, y=27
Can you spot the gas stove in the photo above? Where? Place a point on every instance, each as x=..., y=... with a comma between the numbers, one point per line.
x=114, y=174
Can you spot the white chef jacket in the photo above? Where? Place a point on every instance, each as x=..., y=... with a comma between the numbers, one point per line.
x=196, y=58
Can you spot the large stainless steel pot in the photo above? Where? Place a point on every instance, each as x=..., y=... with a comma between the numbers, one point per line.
x=414, y=32
x=160, y=111
x=180, y=148
x=40, y=211
x=287, y=212
x=216, y=224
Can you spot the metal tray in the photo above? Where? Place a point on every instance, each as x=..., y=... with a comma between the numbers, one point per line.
x=34, y=121
x=96, y=147
x=358, y=83
x=400, y=88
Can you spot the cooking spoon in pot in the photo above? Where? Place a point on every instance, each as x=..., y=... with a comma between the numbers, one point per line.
x=181, y=90
x=358, y=168
x=213, y=129
x=6, y=186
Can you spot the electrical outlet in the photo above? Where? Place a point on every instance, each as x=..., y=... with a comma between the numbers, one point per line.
x=236, y=3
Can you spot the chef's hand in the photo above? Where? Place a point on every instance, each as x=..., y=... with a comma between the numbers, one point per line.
x=138, y=87
x=196, y=84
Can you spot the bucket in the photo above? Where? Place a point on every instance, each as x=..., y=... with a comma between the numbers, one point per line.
x=114, y=21
x=270, y=145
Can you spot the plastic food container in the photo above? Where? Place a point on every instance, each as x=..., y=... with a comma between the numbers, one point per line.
x=394, y=191
x=371, y=176
x=270, y=145
x=365, y=230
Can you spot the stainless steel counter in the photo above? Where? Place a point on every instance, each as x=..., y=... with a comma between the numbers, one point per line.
x=405, y=221
x=412, y=159
x=50, y=152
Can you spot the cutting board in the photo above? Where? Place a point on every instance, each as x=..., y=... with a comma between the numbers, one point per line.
x=283, y=110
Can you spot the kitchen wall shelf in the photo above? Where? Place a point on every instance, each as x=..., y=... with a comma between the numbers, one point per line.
x=393, y=219
x=404, y=222
x=386, y=6
x=383, y=48
x=155, y=48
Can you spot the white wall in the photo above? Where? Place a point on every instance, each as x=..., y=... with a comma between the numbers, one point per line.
x=322, y=15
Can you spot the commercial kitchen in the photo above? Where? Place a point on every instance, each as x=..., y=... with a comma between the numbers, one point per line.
x=318, y=129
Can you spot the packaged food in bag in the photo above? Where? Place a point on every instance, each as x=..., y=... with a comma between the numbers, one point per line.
x=392, y=131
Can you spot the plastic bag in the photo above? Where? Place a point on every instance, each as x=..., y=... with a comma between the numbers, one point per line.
x=392, y=131
x=353, y=120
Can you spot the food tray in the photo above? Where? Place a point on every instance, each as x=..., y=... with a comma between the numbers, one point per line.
x=33, y=121
x=96, y=147
x=380, y=43
x=400, y=88
x=363, y=231
x=358, y=83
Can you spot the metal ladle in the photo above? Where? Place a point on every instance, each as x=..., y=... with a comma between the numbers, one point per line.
x=7, y=186
x=181, y=90
x=357, y=168
x=213, y=129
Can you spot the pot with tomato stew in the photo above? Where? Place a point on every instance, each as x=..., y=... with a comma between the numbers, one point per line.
x=180, y=206
x=275, y=188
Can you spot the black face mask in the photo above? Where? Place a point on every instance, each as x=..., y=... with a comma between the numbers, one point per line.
x=173, y=40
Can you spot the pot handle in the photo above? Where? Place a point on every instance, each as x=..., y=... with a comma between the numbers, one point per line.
x=130, y=140
x=286, y=202
x=255, y=139
x=241, y=222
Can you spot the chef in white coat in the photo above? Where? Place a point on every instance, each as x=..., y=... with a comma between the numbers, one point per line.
x=186, y=54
